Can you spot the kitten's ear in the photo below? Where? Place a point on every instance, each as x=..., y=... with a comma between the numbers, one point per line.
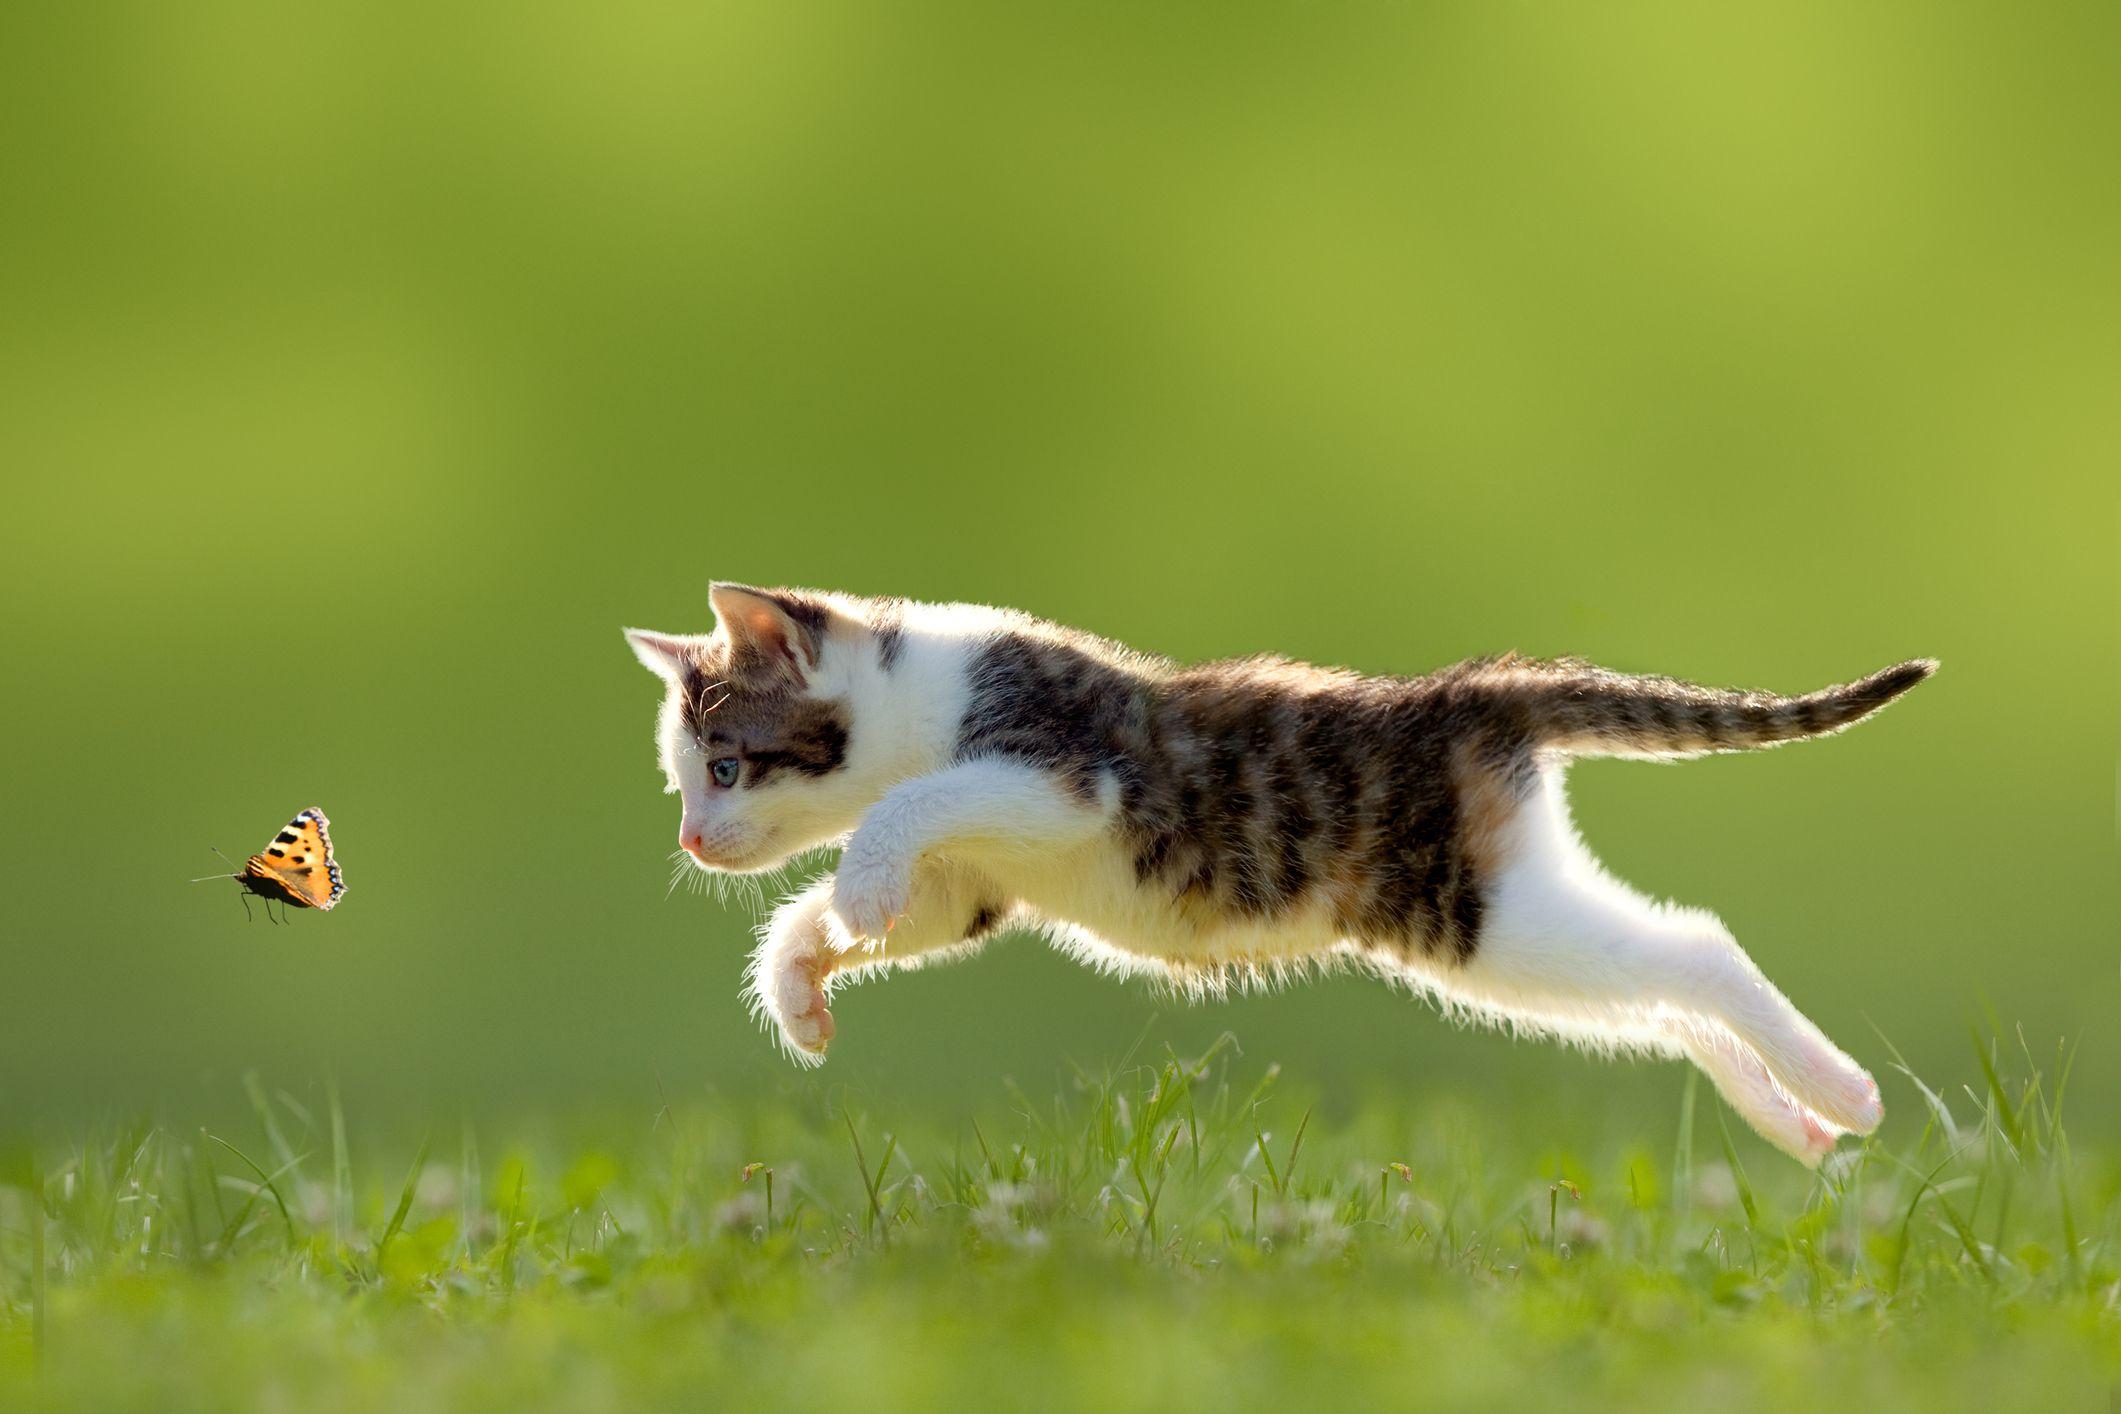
x=770, y=628
x=660, y=653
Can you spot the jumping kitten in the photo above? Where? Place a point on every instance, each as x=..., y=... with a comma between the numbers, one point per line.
x=1228, y=822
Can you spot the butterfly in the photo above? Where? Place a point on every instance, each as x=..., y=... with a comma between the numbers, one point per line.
x=296, y=867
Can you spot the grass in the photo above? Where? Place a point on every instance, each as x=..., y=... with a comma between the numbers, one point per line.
x=1160, y=1236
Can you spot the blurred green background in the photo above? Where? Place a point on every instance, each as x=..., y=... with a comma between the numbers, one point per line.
x=364, y=368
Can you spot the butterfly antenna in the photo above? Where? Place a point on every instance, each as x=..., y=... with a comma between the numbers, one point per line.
x=204, y=877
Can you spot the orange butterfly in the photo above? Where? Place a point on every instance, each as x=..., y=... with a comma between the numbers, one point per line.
x=296, y=867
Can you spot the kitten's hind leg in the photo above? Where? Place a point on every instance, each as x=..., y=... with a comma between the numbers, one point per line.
x=1655, y=989
x=1591, y=959
x=1566, y=948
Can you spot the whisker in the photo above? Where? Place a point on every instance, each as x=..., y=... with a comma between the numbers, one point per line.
x=680, y=867
x=759, y=893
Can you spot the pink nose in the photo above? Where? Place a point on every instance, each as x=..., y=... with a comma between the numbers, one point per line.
x=693, y=844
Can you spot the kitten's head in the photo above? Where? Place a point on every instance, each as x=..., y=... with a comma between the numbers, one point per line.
x=757, y=732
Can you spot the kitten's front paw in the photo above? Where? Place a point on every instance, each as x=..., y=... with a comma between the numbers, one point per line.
x=798, y=1005
x=788, y=976
x=869, y=900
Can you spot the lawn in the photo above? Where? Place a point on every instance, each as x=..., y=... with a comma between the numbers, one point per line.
x=1159, y=1235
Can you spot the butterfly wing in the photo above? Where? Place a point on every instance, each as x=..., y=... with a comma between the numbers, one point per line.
x=300, y=863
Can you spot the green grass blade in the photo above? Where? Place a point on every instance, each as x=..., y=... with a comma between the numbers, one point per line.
x=2006, y=1113
x=266, y=1179
x=405, y=1197
x=1260, y=1137
x=39, y=1261
x=341, y=1168
x=1296, y=1147
x=1683, y=1146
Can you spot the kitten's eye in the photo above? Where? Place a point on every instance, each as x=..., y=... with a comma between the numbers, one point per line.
x=724, y=770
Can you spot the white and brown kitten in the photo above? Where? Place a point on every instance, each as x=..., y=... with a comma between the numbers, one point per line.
x=1229, y=822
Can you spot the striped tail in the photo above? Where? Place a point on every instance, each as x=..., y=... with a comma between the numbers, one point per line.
x=1586, y=711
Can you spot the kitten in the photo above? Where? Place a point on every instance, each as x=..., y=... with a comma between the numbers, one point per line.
x=1236, y=821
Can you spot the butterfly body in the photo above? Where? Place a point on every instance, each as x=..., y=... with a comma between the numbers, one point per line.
x=297, y=866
